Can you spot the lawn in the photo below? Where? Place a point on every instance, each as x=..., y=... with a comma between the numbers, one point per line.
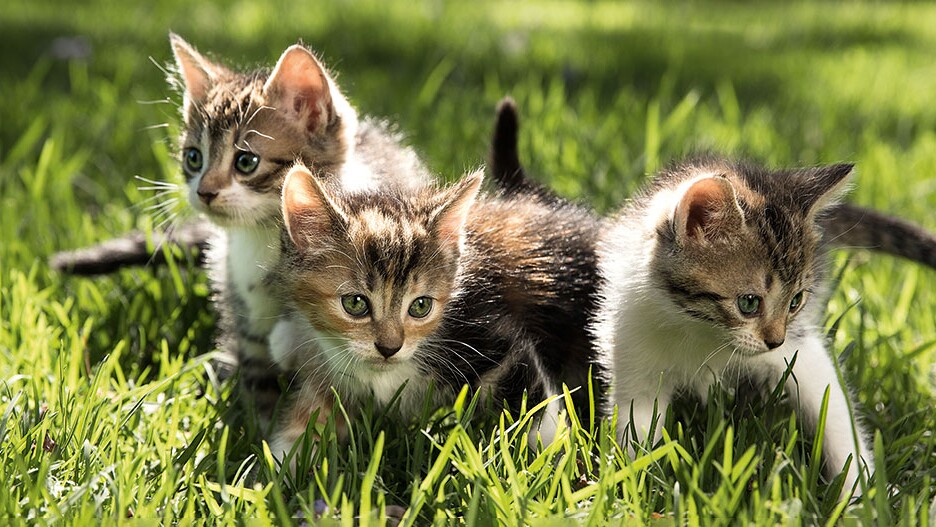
x=109, y=409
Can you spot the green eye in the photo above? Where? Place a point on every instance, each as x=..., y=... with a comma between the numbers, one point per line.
x=796, y=302
x=420, y=307
x=193, y=159
x=749, y=304
x=355, y=305
x=246, y=162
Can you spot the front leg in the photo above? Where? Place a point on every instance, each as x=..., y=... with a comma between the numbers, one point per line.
x=296, y=419
x=813, y=372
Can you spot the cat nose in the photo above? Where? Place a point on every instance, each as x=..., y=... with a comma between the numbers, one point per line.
x=773, y=344
x=207, y=196
x=388, y=351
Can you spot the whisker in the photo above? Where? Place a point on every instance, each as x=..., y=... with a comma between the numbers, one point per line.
x=153, y=181
x=155, y=101
x=254, y=114
x=161, y=203
x=252, y=131
x=161, y=191
x=710, y=356
x=155, y=126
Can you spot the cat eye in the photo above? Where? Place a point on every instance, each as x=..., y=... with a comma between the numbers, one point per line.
x=420, y=307
x=246, y=162
x=193, y=159
x=355, y=305
x=796, y=302
x=749, y=304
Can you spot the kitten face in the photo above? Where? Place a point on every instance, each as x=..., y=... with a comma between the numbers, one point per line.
x=244, y=131
x=741, y=259
x=235, y=167
x=374, y=271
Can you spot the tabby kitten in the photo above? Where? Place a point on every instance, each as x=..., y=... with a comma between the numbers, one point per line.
x=714, y=273
x=242, y=133
x=432, y=286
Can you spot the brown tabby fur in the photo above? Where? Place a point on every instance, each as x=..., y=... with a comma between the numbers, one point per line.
x=511, y=299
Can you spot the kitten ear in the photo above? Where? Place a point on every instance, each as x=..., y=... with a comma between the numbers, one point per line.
x=198, y=73
x=299, y=86
x=821, y=187
x=709, y=209
x=450, y=216
x=308, y=210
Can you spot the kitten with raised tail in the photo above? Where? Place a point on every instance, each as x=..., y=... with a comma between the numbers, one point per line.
x=844, y=226
x=242, y=132
x=715, y=273
x=399, y=290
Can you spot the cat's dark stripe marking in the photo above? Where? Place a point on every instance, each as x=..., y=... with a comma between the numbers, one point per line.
x=251, y=337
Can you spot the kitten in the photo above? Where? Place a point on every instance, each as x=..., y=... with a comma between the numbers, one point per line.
x=713, y=273
x=844, y=226
x=242, y=133
x=838, y=225
x=433, y=286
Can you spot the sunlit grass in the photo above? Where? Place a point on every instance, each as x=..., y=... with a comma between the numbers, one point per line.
x=109, y=406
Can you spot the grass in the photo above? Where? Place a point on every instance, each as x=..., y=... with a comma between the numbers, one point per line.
x=108, y=406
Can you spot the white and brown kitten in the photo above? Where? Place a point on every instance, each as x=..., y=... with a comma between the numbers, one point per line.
x=437, y=286
x=242, y=133
x=714, y=273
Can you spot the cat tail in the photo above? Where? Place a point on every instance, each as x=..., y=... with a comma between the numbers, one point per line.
x=854, y=227
x=506, y=170
x=134, y=249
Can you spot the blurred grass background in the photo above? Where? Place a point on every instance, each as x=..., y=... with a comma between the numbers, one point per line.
x=608, y=92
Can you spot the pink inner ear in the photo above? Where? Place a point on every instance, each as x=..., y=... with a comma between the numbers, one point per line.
x=196, y=77
x=704, y=202
x=302, y=206
x=298, y=84
x=454, y=214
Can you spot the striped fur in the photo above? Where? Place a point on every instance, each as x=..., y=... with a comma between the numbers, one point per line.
x=270, y=118
x=511, y=299
x=681, y=263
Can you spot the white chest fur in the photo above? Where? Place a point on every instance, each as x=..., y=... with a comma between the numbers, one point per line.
x=252, y=253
